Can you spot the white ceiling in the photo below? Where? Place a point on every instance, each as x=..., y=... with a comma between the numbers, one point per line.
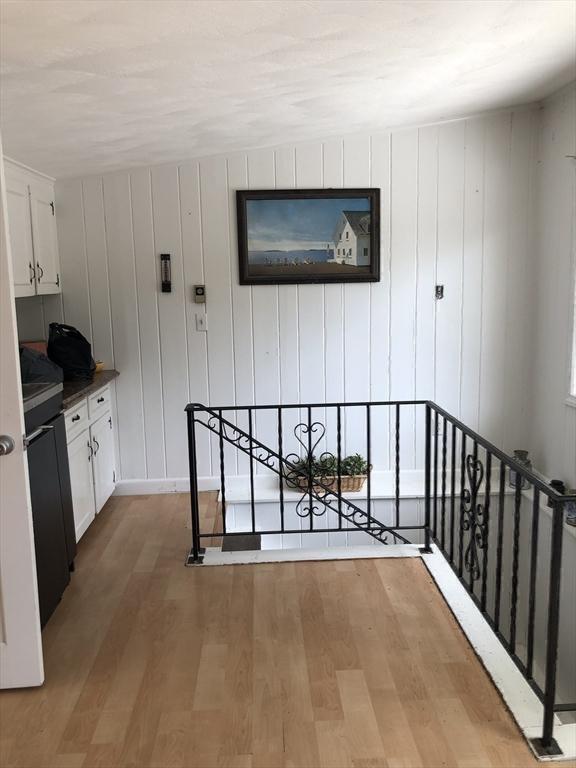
x=93, y=85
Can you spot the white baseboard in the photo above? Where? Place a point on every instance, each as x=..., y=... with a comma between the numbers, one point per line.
x=163, y=485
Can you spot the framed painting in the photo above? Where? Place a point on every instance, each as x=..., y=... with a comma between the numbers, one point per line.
x=308, y=235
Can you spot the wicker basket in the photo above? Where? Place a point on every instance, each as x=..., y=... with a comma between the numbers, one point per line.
x=348, y=483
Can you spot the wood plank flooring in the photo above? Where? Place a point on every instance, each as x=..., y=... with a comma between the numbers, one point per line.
x=292, y=665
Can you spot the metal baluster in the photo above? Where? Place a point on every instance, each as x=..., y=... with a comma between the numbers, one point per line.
x=473, y=508
x=251, y=446
x=462, y=488
x=194, y=556
x=553, y=622
x=369, y=471
x=486, y=530
x=436, y=475
x=339, y=452
x=443, y=506
x=397, y=473
x=515, y=561
x=281, y=467
x=532, y=590
x=427, y=459
x=452, y=491
x=222, y=473
x=310, y=467
x=501, y=507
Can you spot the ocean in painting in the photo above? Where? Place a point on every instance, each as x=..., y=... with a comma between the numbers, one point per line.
x=290, y=257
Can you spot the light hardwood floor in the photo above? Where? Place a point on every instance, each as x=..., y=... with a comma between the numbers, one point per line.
x=344, y=663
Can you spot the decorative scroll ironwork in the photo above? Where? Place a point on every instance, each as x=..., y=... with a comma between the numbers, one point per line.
x=474, y=518
x=321, y=491
x=307, y=470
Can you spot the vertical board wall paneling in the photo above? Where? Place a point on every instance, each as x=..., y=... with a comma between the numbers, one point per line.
x=237, y=171
x=310, y=297
x=261, y=175
x=494, y=282
x=518, y=341
x=472, y=272
x=357, y=335
x=404, y=228
x=333, y=176
x=380, y=307
x=216, y=249
x=310, y=342
x=98, y=283
x=172, y=318
x=147, y=288
x=427, y=253
x=72, y=252
x=288, y=324
x=190, y=215
x=449, y=264
x=125, y=327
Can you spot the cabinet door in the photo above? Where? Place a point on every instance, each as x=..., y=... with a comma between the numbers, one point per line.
x=80, y=461
x=47, y=513
x=44, y=237
x=104, y=464
x=20, y=226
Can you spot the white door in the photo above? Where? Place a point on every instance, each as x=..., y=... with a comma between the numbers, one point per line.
x=20, y=639
x=80, y=460
x=20, y=227
x=44, y=237
x=104, y=465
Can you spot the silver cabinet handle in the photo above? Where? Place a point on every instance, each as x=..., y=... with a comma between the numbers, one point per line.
x=37, y=432
x=89, y=444
x=97, y=445
x=41, y=275
x=6, y=445
x=32, y=272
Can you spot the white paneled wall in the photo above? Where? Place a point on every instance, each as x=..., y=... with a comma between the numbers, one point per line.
x=455, y=210
x=553, y=437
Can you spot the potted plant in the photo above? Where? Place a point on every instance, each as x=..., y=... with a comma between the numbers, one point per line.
x=324, y=470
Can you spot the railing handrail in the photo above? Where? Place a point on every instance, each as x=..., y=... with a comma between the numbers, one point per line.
x=510, y=461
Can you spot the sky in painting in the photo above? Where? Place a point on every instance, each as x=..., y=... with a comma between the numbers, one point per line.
x=289, y=225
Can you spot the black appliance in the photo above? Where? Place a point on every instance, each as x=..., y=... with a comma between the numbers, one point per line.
x=50, y=492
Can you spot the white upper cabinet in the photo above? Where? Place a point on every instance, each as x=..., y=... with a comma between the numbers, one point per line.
x=44, y=237
x=19, y=223
x=32, y=225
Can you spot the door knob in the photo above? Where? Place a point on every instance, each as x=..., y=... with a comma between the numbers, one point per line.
x=6, y=445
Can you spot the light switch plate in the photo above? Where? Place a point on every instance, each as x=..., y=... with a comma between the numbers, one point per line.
x=201, y=322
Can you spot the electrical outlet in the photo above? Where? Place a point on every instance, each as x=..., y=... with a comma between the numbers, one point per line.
x=439, y=293
x=201, y=322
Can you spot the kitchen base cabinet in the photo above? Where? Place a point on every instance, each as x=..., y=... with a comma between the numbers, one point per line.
x=103, y=464
x=82, y=483
x=91, y=457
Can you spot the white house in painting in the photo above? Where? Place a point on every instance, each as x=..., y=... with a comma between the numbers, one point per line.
x=352, y=239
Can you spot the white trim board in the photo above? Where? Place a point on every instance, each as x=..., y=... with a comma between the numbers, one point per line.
x=214, y=556
x=520, y=699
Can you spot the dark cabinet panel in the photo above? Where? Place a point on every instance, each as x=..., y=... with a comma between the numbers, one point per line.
x=52, y=559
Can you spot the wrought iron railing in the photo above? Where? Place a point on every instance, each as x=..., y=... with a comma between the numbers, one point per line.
x=485, y=511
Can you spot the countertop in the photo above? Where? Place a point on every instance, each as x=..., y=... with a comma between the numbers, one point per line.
x=74, y=391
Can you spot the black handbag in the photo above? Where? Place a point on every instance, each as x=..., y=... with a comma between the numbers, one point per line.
x=69, y=349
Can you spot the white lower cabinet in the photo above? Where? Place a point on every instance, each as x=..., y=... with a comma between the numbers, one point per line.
x=92, y=460
x=82, y=482
x=103, y=465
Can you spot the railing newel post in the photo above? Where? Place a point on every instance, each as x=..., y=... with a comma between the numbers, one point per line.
x=196, y=553
x=552, y=633
x=427, y=484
